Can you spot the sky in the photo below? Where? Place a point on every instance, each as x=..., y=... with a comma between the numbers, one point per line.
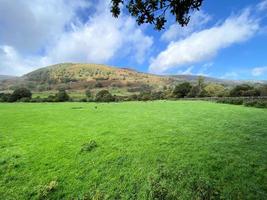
x=224, y=39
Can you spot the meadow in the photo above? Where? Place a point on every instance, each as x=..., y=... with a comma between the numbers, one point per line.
x=132, y=150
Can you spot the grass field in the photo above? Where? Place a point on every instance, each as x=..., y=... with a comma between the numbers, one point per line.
x=154, y=150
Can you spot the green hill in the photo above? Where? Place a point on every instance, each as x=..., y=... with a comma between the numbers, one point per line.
x=77, y=77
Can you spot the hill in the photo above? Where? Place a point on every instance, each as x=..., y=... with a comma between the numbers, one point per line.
x=77, y=77
x=6, y=77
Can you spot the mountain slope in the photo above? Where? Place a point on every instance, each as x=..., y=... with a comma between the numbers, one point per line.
x=77, y=76
x=6, y=77
x=72, y=72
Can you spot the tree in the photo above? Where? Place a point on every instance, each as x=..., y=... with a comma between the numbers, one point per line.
x=104, y=96
x=214, y=90
x=201, y=82
x=182, y=90
x=154, y=11
x=62, y=96
x=244, y=90
x=263, y=90
x=194, y=92
x=88, y=93
x=20, y=93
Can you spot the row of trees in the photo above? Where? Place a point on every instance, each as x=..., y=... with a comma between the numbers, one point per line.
x=183, y=90
x=216, y=90
x=25, y=95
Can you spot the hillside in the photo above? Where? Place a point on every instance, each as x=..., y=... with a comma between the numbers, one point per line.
x=6, y=77
x=78, y=77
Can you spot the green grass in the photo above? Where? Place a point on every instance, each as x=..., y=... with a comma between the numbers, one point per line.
x=133, y=150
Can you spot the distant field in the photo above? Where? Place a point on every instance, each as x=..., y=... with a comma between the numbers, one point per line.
x=154, y=150
x=79, y=94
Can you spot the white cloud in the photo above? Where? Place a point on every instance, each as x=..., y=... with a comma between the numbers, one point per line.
x=203, y=45
x=258, y=71
x=230, y=75
x=55, y=31
x=262, y=5
x=28, y=25
x=11, y=62
x=188, y=71
x=197, y=21
x=100, y=39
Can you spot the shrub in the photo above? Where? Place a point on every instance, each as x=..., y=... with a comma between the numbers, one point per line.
x=24, y=99
x=145, y=96
x=104, y=96
x=83, y=100
x=158, y=95
x=237, y=101
x=250, y=103
x=98, y=85
x=19, y=94
x=50, y=98
x=194, y=91
x=261, y=104
x=133, y=97
x=214, y=90
x=87, y=147
x=62, y=96
x=244, y=90
x=4, y=97
x=88, y=93
x=263, y=90
x=182, y=90
x=37, y=100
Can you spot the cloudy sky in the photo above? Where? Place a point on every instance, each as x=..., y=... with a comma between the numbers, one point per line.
x=225, y=39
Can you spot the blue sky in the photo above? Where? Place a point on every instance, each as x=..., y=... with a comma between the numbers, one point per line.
x=225, y=39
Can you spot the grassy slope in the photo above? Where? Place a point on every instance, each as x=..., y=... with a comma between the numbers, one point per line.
x=176, y=150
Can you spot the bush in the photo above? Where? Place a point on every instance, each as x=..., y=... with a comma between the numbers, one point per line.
x=104, y=96
x=88, y=93
x=182, y=90
x=237, y=101
x=244, y=90
x=261, y=104
x=62, y=96
x=4, y=97
x=50, y=98
x=19, y=94
x=25, y=99
x=145, y=96
x=37, y=100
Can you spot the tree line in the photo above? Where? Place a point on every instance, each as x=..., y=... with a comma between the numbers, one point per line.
x=180, y=91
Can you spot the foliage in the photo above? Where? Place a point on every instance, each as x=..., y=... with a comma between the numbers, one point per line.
x=98, y=84
x=244, y=90
x=104, y=96
x=263, y=90
x=182, y=90
x=62, y=96
x=88, y=93
x=20, y=93
x=194, y=91
x=236, y=101
x=4, y=97
x=214, y=90
x=258, y=103
x=154, y=11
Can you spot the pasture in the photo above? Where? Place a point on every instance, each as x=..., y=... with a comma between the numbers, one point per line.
x=133, y=150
